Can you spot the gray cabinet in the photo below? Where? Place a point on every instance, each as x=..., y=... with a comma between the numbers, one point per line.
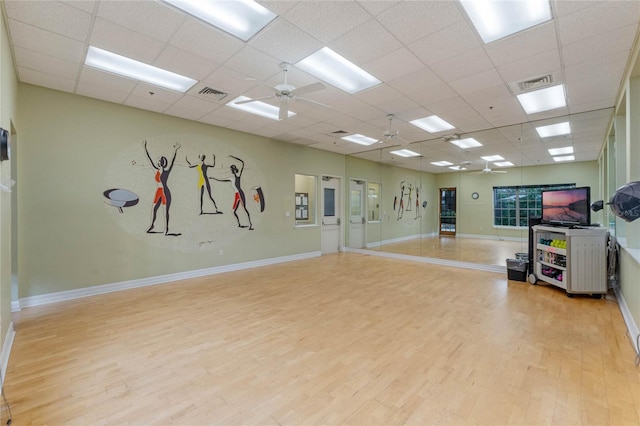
x=572, y=259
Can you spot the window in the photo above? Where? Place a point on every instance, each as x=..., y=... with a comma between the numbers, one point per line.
x=513, y=205
x=373, y=202
x=305, y=200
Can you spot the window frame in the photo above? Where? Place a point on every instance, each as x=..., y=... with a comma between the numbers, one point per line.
x=533, y=195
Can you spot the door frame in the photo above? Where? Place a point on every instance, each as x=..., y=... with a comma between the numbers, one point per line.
x=440, y=217
x=339, y=211
x=363, y=211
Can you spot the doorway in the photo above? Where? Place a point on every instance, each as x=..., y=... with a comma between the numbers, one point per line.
x=447, y=211
x=357, y=213
x=331, y=220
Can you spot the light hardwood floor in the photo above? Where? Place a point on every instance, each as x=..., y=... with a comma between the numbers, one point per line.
x=345, y=339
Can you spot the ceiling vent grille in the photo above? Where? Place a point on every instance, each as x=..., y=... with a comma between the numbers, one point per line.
x=209, y=91
x=535, y=83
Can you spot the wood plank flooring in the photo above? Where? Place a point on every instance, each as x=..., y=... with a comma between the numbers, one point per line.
x=345, y=339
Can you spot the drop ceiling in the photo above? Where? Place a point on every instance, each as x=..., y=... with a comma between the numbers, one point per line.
x=426, y=53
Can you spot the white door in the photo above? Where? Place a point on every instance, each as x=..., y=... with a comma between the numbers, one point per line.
x=357, y=213
x=331, y=208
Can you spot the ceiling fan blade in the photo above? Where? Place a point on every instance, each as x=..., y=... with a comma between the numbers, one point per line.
x=254, y=100
x=315, y=87
x=498, y=171
x=298, y=98
x=283, y=113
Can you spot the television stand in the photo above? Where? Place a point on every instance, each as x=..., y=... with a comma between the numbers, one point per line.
x=574, y=259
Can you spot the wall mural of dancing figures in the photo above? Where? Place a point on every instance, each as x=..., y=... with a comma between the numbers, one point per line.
x=155, y=183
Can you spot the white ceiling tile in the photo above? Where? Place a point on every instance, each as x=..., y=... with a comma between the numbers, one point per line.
x=56, y=17
x=255, y=63
x=531, y=67
x=185, y=63
x=101, y=92
x=279, y=7
x=285, y=42
x=431, y=95
x=88, y=6
x=601, y=17
x=93, y=77
x=156, y=94
x=147, y=103
x=36, y=61
x=375, y=7
x=365, y=43
x=160, y=20
x=462, y=66
x=327, y=20
x=524, y=44
x=51, y=81
x=117, y=39
x=604, y=44
x=483, y=80
x=191, y=108
x=412, y=20
x=454, y=40
x=229, y=81
x=394, y=65
x=205, y=41
x=419, y=80
x=42, y=41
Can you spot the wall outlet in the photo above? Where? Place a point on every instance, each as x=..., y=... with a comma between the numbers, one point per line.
x=221, y=252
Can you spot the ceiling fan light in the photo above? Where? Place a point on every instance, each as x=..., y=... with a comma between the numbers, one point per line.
x=241, y=18
x=543, y=99
x=258, y=108
x=432, y=124
x=127, y=67
x=551, y=130
x=338, y=71
x=360, y=139
x=497, y=19
x=405, y=153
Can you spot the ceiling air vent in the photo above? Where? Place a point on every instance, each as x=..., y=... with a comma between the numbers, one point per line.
x=208, y=91
x=536, y=83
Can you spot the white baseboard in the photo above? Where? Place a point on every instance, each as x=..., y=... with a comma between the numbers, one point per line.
x=632, y=327
x=6, y=351
x=45, y=299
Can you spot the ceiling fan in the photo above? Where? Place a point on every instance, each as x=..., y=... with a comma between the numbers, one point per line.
x=487, y=170
x=286, y=92
x=391, y=134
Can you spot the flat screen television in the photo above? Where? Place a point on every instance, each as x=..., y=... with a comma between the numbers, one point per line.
x=567, y=207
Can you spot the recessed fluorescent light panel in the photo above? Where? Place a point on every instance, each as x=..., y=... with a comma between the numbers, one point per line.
x=360, y=139
x=432, y=124
x=466, y=143
x=504, y=164
x=492, y=158
x=441, y=163
x=554, y=130
x=126, y=67
x=458, y=168
x=241, y=18
x=497, y=19
x=405, y=153
x=564, y=158
x=561, y=151
x=327, y=65
x=259, y=108
x=543, y=99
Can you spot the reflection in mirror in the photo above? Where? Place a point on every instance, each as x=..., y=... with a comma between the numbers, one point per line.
x=305, y=199
x=488, y=230
x=373, y=202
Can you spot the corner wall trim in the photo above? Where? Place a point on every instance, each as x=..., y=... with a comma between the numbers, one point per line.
x=632, y=327
x=6, y=351
x=162, y=279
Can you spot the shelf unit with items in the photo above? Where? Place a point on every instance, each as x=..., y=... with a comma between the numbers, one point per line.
x=573, y=259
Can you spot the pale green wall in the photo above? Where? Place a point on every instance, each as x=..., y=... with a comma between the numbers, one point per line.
x=70, y=239
x=475, y=217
